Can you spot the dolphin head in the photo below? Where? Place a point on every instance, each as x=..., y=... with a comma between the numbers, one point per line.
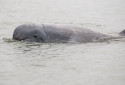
x=122, y=33
x=30, y=32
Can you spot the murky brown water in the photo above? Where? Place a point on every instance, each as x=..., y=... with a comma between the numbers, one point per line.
x=23, y=63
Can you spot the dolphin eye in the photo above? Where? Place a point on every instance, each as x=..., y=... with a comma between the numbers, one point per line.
x=35, y=36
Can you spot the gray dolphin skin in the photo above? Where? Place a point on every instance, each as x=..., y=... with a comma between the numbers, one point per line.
x=45, y=33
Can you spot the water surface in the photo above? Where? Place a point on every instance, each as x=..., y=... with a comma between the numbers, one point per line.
x=23, y=63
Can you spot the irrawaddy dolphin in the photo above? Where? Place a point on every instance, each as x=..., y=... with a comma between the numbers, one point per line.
x=45, y=33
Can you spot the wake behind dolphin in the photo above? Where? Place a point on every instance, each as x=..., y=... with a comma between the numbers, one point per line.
x=44, y=33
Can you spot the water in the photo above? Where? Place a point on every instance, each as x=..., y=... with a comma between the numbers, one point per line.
x=23, y=63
